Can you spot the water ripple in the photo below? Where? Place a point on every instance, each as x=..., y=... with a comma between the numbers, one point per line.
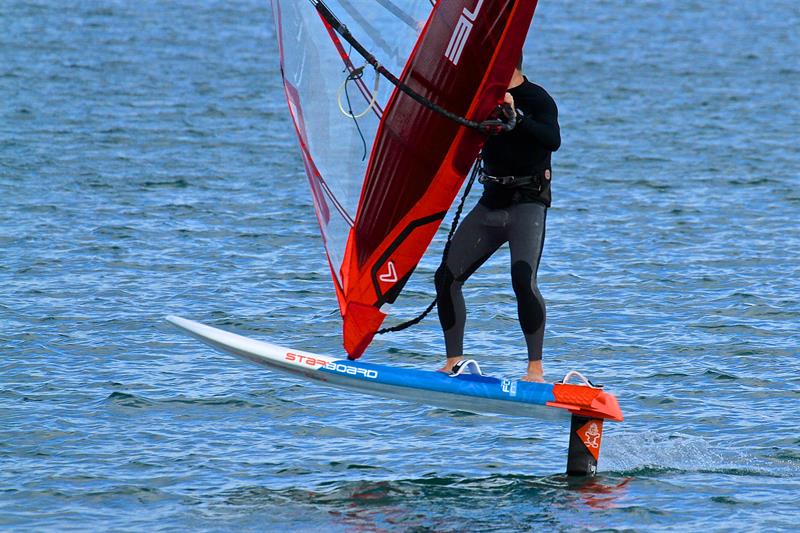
x=148, y=167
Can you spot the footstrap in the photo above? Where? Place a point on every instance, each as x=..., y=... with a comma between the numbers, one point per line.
x=574, y=373
x=464, y=365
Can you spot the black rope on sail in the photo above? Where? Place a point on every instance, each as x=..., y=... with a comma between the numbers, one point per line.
x=453, y=225
x=353, y=76
x=493, y=126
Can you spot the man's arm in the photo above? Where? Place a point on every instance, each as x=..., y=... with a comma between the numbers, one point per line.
x=544, y=127
x=545, y=131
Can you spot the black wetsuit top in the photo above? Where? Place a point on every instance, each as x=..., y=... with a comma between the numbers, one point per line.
x=523, y=151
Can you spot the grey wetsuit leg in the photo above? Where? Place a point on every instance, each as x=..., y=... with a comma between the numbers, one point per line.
x=480, y=234
x=526, y=241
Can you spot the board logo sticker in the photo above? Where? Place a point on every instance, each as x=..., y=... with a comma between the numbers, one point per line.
x=352, y=370
x=304, y=359
x=509, y=387
x=591, y=433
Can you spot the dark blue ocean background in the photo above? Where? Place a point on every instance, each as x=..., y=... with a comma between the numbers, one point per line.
x=148, y=167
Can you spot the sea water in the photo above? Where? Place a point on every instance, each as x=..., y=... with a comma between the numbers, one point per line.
x=148, y=166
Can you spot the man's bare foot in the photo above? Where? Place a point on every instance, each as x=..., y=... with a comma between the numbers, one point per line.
x=536, y=378
x=451, y=361
x=535, y=372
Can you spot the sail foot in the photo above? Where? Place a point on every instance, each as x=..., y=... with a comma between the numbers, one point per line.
x=361, y=321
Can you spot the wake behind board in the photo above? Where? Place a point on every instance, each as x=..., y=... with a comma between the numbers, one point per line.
x=469, y=392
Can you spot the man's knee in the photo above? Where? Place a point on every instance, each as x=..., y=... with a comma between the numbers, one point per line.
x=532, y=313
x=446, y=307
x=443, y=279
x=521, y=279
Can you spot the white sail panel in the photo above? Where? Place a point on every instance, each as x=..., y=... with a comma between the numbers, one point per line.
x=316, y=65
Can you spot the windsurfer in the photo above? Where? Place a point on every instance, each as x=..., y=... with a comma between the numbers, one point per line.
x=516, y=176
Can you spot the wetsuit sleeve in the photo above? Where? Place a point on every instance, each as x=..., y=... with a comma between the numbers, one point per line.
x=545, y=130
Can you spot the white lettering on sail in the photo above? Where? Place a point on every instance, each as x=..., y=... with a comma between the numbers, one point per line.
x=461, y=33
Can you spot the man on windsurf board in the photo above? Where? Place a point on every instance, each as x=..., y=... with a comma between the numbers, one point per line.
x=516, y=173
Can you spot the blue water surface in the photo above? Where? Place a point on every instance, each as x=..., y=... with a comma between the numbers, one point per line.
x=148, y=167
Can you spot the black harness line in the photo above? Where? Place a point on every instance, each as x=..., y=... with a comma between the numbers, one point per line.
x=503, y=118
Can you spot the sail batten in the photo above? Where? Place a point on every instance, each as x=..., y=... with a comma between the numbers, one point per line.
x=378, y=214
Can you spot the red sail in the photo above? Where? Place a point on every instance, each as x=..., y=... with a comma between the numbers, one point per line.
x=462, y=61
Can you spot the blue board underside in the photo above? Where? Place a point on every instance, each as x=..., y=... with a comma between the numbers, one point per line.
x=466, y=384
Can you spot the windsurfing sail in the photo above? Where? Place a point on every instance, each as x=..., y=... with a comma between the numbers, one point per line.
x=383, y=168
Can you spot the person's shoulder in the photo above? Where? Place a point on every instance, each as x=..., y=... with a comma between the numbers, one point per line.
x=537, y=96
x=534, y=89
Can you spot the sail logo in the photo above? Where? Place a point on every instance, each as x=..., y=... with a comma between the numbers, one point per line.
x=391, y=274
x=461, y=34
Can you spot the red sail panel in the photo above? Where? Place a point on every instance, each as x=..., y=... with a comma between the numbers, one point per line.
x=462, y=61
